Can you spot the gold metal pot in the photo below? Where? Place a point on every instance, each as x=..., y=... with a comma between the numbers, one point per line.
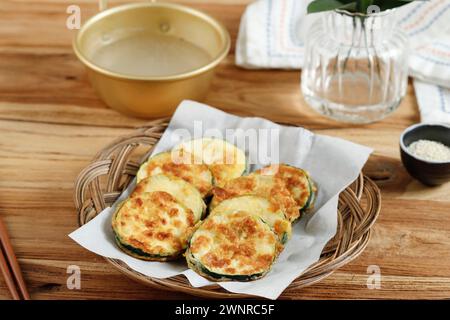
x=144, y=95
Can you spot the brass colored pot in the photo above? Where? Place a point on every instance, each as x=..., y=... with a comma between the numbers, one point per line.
x=151, y=96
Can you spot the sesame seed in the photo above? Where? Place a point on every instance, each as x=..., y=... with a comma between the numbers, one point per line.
x=430, y=150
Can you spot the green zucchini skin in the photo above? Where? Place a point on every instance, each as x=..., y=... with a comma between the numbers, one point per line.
x=296, y=179
x=261, y=206
x=266, y=186
x=217, y=237
x=139, y=254
x=284, y=238
x=153, y=226
x=203, y=271
x=312, y=197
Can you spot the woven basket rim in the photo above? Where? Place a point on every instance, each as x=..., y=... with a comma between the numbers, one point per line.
x=114, y=165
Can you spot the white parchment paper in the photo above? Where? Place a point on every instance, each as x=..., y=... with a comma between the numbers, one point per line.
x=332, y=162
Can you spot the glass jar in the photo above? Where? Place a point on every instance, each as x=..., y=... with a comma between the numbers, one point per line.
x=356, y=66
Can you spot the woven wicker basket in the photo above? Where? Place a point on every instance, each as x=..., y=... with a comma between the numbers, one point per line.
x=112, y=169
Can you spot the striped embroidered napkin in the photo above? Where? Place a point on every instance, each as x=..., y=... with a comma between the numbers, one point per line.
x=272, y=32
x=434, y=102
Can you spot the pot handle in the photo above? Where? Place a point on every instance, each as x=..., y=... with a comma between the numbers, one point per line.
x=103, y=4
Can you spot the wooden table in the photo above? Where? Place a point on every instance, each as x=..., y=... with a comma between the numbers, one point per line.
x=52, y=123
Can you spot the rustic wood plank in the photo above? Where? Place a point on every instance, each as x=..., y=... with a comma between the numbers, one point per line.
x=51, y=125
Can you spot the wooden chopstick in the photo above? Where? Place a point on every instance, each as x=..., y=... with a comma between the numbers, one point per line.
x=8, y=277
x=8, y=264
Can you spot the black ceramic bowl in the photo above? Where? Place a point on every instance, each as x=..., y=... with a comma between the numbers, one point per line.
x=429, y=172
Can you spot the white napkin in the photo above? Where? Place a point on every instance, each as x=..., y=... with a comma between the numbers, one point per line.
x=272, y=31
x=434, y=102
x=292, y=145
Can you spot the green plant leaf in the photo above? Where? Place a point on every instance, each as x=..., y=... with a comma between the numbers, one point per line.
x=390, y=4
x=324, y=5
x=354, y=5
x=362, y=5
x=350, y=6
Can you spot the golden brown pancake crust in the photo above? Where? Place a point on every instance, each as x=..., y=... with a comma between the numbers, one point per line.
x=296, y=180
x=233, y=245
x=153, y=225
x=181, y=166
x=268, y=187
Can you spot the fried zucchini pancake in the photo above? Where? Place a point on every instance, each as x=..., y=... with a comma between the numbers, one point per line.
x=297, y=181
x=262, y=207
x=167, y=163
x=225, y=160
x=184, y=192
x=268, y=187
x=239, y=246
x=153, y=226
